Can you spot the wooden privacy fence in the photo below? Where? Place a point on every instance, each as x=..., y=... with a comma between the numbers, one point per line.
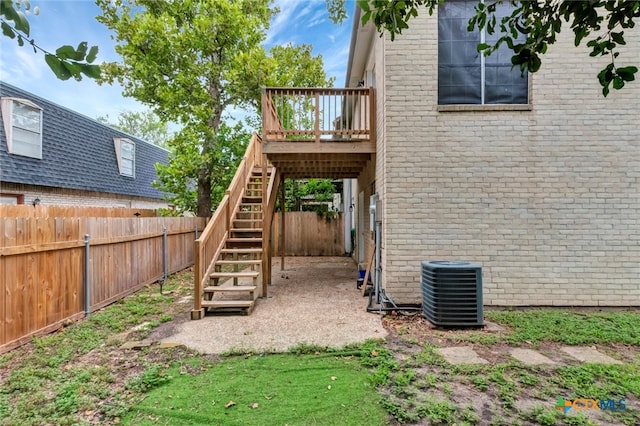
x=308, y=234
x=24, y=210
x=45, y=269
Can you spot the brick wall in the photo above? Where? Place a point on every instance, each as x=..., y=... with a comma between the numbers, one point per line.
x=547, y=200
x=71, y=197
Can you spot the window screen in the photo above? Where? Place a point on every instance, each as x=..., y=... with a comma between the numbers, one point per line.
x=466, y=76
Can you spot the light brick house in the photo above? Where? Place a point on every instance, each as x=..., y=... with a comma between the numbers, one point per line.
x=543, y=192
x=51, y=155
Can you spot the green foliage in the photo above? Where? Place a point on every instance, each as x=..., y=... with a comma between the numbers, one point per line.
x=573, y=328
x=69, y=372
x=192, y=61
x=380, y=360
x=545, y=416
x=337, y=10
x=313, y=190
x=178, y=179
x=66, y=62
x=295, y=66
x=438, y=412
x=305, y=348
x=599, y=381
x=189, y=61
x=539, y=22
x=152, y=377
x=145, y=125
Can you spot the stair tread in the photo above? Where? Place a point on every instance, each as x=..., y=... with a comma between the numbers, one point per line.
x=239, y=262
x=247, y=220
x=243, y=274
x=227, y=303
x=246, y=229
x=241, y=250
x=229, y=288
x=246, y=240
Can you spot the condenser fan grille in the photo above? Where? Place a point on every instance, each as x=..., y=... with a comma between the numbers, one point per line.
x=452, y=293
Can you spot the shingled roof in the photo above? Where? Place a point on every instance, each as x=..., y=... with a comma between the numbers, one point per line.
x=78, y=153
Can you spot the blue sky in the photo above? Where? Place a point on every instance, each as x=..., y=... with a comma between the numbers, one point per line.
x=72, y=21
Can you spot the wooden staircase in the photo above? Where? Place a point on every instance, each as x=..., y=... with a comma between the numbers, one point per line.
x=233, y=284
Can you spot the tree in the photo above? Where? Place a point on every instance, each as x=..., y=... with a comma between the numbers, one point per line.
x=66, y=62
x=190, y=61
x=142, y=124
x=313, y=190
x=600, y=22
x=187, y=60
x=178, y=179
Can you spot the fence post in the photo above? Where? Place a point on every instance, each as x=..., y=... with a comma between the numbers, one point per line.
x=196, y=231
x=164, y=256
x=87, y=277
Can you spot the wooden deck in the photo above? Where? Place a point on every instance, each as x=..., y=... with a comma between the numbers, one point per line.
x=319, y=132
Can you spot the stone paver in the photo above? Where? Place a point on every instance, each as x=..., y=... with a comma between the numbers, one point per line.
x=530, y=357
x=587, y=354
x=135, y=345
x=461, y=355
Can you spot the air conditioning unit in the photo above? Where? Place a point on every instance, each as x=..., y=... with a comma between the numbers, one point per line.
x=452, y=293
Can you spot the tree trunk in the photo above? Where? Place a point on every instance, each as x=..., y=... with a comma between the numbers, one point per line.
x=204, y=192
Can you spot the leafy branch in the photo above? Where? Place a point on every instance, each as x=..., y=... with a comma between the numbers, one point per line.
x=66, y=62
x=531, y=28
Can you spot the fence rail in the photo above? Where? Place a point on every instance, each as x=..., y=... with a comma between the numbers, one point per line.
x=72, y=211
x=43, y=274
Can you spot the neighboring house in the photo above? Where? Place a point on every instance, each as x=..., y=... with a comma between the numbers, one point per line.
x=54, y=156
x=535, y=178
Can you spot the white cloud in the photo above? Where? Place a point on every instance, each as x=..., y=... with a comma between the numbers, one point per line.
x=20, y=64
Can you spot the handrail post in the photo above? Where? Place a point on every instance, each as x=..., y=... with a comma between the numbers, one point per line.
x=317, y=124
x=228, y=210
x=198, y=311
x=265, y=113
x=372, y=115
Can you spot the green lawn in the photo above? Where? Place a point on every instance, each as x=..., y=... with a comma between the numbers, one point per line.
x=80, y=375
x=324, y=389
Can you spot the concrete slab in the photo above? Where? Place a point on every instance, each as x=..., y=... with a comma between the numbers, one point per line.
x=493, y=327
x=530, y=357
x=461, y=355
x=587, y=354
x=318, y=305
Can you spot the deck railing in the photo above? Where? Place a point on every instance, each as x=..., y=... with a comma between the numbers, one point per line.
x=318, y=114
x=212, y=239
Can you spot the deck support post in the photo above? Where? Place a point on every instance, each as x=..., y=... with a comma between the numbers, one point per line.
x=266, y=230
x=282, y=221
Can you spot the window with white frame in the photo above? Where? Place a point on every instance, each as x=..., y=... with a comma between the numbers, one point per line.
x=466, y=76
x=22, y=120
x=126, y=156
